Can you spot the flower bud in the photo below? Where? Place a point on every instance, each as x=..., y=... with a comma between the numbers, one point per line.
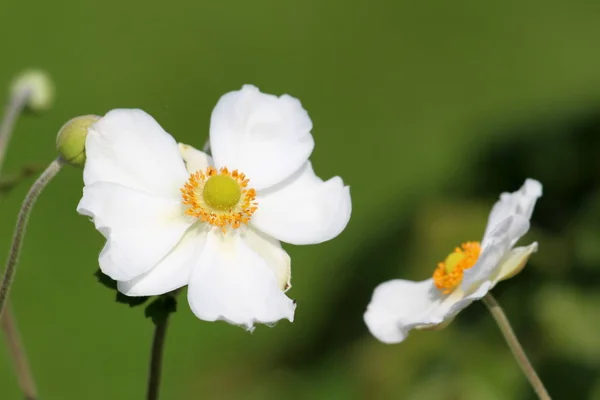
x=39, y=86
x=70, y=141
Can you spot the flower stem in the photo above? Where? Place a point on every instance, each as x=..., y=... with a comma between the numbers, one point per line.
x=16, y=104
x=18, y=355
x=158, y=344
x=8, y=322
x=514, y=345
x=19, y=233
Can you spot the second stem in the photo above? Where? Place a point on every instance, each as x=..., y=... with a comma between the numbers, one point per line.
x=515, y=346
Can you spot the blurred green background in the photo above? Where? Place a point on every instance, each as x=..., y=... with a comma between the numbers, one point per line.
x=428, y=110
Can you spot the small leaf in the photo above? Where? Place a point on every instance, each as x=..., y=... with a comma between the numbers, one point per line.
x=131, y=301
x=160, y=308
x=105, y=280
x=119, y=297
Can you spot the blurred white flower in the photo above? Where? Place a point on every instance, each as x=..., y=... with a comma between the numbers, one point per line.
x=174, y=216
x=467, y=274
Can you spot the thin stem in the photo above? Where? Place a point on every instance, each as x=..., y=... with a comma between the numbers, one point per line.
x=19, y=233
x=158, y=344
x=18, y=355
x=8, y=322
x=515, y=346
x=16, y=104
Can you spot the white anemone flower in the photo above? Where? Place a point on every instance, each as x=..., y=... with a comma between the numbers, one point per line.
x=174, y=216
x=467, y=274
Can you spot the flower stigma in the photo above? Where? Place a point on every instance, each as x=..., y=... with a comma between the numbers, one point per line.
x=221, y=192
x=220, y=198
x=449, y=273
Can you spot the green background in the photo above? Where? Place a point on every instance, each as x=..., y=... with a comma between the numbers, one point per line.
x=428, y=110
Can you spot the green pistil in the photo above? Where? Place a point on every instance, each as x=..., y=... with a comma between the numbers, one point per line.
x=221, y=192
x=452, y=261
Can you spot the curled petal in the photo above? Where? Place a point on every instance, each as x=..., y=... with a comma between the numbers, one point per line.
x=173, y=271
x=518, y=206
x=264, y=136
x=275, y=257
x=236, y=280
x=303, y=209
x=130, y=148
x=195, y=160
x=140, y=228
x=514, y=262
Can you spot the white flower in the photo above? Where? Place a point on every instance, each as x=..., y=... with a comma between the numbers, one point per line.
x=467, y=274
x=174, y=216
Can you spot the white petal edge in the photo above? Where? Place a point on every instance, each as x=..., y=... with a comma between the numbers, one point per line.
x=264, y=136
x=232, y=282
x=173, y=271
x=303, y=209
x=140, y=228
x=195, y=160
x=518, y=205
x=130, y=148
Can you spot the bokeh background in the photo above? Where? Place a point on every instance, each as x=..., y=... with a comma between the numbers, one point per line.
x=428, y=110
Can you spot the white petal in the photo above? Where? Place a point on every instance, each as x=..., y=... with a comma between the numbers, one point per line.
x=130, y=148
x=514, y=262
x=461, y=299
x=264, y=136
x=233, y=282
x=303, y=209
x=194, y=159
x=140, y=228
x=518, y=205
x=173, y=271
x=398, y=306
x=493, y=248
x=275, y=257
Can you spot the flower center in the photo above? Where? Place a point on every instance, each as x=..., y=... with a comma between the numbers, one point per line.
x=220, y=198
x=449, y=273
x=221, y=192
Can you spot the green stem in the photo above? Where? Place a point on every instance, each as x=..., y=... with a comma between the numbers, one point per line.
x=158, y=344
x=18, y=355
x=8, y=321
x=19, y=233
x=515, y=346
x=15, y=106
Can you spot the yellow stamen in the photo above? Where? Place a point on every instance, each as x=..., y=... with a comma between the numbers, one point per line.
x=449, y=273
x=220, y=198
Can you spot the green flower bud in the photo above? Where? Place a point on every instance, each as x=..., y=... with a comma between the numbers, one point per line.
x=70, y=141
x=40, y=88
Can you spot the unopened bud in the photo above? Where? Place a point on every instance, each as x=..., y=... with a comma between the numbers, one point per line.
x=38, y=86
x=70, y=141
